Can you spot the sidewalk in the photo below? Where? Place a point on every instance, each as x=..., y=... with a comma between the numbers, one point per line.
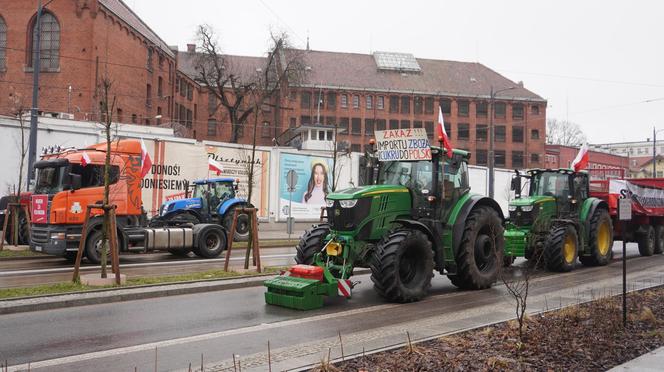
x=277, y=230
x=653, y=361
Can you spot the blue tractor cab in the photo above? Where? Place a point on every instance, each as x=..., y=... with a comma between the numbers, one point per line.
x=212, y=200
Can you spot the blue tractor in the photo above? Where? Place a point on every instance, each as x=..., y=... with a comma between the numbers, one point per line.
x=213, y=201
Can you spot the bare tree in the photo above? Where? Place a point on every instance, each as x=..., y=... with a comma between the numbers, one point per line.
x=563, y=132
x=106, y=108
x=241, y=90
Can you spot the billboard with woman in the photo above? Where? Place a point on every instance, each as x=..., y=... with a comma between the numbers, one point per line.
x=314, y=179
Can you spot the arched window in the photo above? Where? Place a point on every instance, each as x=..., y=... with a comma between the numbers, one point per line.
x=49, y=44
x=3, y=44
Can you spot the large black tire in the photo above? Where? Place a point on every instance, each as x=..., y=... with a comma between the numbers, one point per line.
x=561, y=249
x=480, y=254
x=646, y=242
x=93, y=248
x=402, y=266
x=311, y=243
x=211, y=241
x=241, y=233
x=601, y=239
x=23, y=229
x=659, y=239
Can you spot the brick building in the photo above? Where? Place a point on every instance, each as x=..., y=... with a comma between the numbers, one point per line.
x=558, y=156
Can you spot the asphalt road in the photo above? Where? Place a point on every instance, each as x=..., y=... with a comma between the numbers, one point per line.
x=176, y=331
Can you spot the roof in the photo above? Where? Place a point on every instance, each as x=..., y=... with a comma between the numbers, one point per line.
x=354, y=71
x=122, y=11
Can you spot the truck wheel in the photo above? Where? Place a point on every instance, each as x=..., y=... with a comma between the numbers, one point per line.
x=481, y=252
x=647, y=242
x=211, y=242
x=311, y=243
x=601, y=239
x=659, y=239
x=561, y=249
x=402, y=266
x=241, y=233
x=93, y=248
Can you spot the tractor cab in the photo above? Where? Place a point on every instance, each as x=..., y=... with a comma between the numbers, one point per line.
x=214, y=192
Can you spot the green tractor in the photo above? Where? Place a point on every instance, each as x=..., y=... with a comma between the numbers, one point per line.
x=416, y=216
x=557, y=221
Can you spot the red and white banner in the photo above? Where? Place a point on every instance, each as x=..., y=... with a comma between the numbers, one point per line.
x=39, y=209
x=647, y=195
x=581, y=160
x=85, y=159
x=443, y=133
x=215, y=166
x=344, y=287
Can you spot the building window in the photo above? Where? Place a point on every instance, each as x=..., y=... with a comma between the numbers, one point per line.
x=417, y=124
x=212, y=103
x=428, y=105
x=158, y=115
x=190, y=118
x=183, y=87
x=405, y=124
x=344, y=101
x=534, y=158
x=149, y=62
x=369, y=102
x=148, y=96
x=305, y=100
x=499, y=158
x=394, y=124
x=330, y=120
x=331, y=100
x=380, y=102
x=161, y=61
x=134, y=118
x=481, y=156
x=369, y=127
x=394, y=104
x=190, y=92
x=448, y=130
x=292, y=122
x=355, y=147
x=119, y=115
x=3, y=44
x=212, y=128
x=356, y=125
x=428, y=125
x=499, y=110
x=481, y=109
x=517, y=134
x=160, y=87
x=481, y=131
x=417, y=105
x=534, y=134
x=517, y=159
x=463, y=131
x=405, y=105
x=534, y=109
x=463, y=108
x=177, y=84
x=356, y=101
x=305, y=119
x=500, y=133
x=265, y=130
x=381, y=124
x=49, y=47
x=446, y=106
x=517, y=111
x=343, y=125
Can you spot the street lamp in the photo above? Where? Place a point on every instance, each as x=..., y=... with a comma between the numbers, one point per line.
x=492, y=97
x=654, y=151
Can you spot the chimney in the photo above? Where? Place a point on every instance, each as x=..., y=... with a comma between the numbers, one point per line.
x=191, y=48
x=520, y=83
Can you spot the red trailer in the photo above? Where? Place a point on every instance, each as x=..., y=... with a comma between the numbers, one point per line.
x=647, y=199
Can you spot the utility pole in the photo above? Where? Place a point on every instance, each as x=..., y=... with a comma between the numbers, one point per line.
x=36, y=67
x=654, y=149
x=492, y=97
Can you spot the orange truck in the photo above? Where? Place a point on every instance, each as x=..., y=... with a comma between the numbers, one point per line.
x=69, y=180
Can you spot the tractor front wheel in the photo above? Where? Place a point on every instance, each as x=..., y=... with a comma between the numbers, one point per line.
x=402, y=266
x=561, y=249
x=241, y=233
x=311, y=243
x=601, y=239
x=647, y=242
x=480, y=254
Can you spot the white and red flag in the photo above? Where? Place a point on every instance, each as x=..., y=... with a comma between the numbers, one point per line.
x=442, y=133
x=581, y=160
x=146, y=161
x=214, y=166
x=85, y=159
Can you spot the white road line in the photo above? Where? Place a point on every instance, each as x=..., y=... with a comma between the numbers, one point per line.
x=146, y=264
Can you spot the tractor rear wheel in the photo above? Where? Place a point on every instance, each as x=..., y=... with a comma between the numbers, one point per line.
x=659, y=239
x=311, y=243
x=480, y=254
x=561, y=248
x=601, y=239
x=647, y=242
x=402, y=266
x=241, y=233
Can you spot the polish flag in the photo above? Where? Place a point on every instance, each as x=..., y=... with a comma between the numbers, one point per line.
x=443, y=134
x=215, y=166
x=581, y=160
x=145, y=160
x=85, y=159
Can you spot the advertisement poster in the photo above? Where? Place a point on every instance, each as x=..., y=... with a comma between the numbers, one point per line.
x=314, y=177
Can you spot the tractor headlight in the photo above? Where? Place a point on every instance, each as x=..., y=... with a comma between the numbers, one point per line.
x=527, y=208
x=329, y=203
x=511, y=208
x=348, y=203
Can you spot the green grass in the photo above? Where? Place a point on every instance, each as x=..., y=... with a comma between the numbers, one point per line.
x=69, y=287
x=5, y=253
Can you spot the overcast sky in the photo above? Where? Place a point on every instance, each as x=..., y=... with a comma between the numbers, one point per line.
x=598, y=63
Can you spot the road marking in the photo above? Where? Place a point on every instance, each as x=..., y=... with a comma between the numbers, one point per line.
x=145, y=264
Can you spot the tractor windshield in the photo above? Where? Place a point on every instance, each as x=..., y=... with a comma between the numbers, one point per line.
x=418, y=174
x=551, y=184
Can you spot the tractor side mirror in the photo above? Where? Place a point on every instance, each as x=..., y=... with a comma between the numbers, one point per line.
x=75, y=181
x=516, y=186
